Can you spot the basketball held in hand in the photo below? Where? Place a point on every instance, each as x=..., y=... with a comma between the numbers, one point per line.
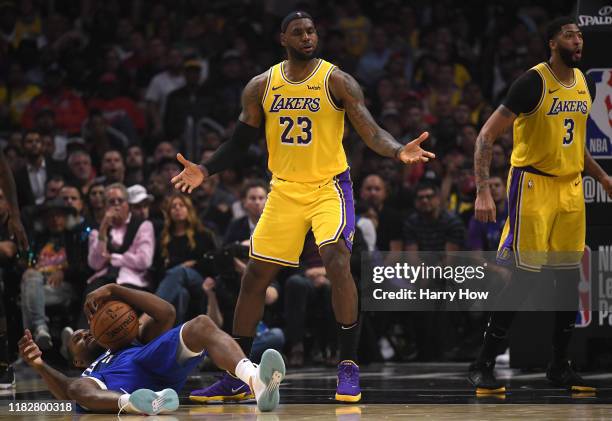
x=114, y=325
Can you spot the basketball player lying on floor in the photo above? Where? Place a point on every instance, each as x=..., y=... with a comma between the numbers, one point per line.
x=143, y=377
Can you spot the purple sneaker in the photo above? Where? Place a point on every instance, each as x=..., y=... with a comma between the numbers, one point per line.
x=348, y=389
x=227, y=389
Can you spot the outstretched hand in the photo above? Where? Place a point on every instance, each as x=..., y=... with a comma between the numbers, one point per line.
x=190, y=178
x=413, y=153
x=29, y=351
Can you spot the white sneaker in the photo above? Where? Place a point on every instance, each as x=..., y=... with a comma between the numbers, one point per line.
x=42, y=337
x=503, y=360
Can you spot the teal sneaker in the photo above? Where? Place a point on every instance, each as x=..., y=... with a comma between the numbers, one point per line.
x=271, y=371
x=153, y=403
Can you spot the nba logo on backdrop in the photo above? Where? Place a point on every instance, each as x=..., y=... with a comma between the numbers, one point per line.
x=584, y=315
x=599, y=123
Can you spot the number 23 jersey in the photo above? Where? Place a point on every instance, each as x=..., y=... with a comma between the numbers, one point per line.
x=304, y=127
x=551, y=137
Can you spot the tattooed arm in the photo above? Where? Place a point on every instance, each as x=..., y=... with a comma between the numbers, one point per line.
x=346, y=89
x=498, y=123
x=592, y=168
x=230, y=152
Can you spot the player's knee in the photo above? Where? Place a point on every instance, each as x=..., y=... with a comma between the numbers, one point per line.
x=336, y=262
x=204, y=323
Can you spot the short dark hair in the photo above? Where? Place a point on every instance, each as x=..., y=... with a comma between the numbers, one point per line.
x=554, y=27
x=253, y=184
x=426, y=185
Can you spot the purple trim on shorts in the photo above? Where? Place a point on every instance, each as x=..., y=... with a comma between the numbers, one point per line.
x=506, y=250
x=346, y=185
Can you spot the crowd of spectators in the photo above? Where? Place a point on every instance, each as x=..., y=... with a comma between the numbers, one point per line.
x=97, y=97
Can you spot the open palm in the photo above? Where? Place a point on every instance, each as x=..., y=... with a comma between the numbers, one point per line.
x=190, y=178
x=413, y=153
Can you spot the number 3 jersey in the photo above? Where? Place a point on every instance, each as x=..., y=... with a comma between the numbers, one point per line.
x=550, y=137
x=304, y=127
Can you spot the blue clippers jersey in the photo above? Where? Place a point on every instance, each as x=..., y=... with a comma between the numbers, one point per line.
x=151, y=366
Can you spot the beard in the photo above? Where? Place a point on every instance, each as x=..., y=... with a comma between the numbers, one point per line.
x=567, y=57
x=297, y=55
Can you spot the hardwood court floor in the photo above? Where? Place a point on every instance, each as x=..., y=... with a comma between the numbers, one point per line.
x=431, y=391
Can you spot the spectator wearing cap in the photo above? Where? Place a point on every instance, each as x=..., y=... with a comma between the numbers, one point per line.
x=70, y=112
x=139, y=201
x=53, y=268
x=190, y=101
x=31, y=179
x=120, y=111
x=160, y=87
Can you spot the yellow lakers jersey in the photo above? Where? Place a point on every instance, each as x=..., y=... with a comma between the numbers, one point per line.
x=551, y=138
x=304, y=127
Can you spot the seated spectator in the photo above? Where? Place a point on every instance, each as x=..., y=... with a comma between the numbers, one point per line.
x=53, y=268
x=160, y=87
x=139, y=201
x=95, y=204
x=45, y=124
x=158, y=188
x=121, y=112
x=15, y=95
x=82, y=173
x=162, y=151
x=112, y=168
x=53, y=187
x=254, y=196
x=31, y=179
x=374, y=195
x=121, y=250
x=101, y=137
x=69, y=116
x=135, y=172
x=191, y=100
x=180, y=260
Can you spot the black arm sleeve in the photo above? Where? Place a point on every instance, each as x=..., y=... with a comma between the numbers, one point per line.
x=592, y=87
x=231, y=152
x=524, y=94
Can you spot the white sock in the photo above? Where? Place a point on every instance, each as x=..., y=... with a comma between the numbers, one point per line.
x=247, y=372
x=125, y=405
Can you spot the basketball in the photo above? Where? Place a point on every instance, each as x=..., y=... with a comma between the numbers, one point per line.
x=114, y=325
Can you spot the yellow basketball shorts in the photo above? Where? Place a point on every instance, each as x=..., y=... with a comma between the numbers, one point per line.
x=546, y=223
x=293, y=208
